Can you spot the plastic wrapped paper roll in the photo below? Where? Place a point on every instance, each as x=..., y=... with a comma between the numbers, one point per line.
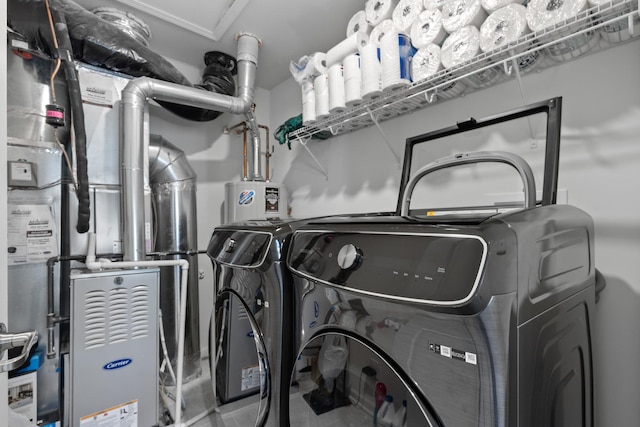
x=451, y=89
x=380, y=30
x=491, y=6
x=336, y=90
x=377, y=11
x=352, y=80
x=358, y=23
x=405, y=14
x=504, y=26
x=617, y=31
x=543, y=14
x=428, y=29
x=308, y=103
x=309, y=67
x=348, y=46
x=434, y=4
x=485, y=78
x=461, y=13
x=426, y=62
x=371, y=72
x=395, y=59
x=461, y=46
x=321, y=88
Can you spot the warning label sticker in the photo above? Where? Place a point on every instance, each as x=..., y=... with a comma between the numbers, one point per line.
x=250, y=377
x=124, y=415
x=452, y=353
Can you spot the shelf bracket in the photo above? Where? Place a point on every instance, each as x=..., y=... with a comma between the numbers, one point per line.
x=508, y=67
x=375, y=121
x=431, y=97
x=304, y=144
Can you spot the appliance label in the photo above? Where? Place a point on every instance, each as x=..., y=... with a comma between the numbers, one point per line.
x=246, y=197
x=124, y=415
x=271, y=199
x=250, y=377
x=452, y=353
x=31, y=234
x=117, y=364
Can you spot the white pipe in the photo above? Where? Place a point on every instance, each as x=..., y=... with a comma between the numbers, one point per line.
x=93, y=264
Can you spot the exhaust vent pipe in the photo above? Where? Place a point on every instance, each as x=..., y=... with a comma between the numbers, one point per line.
x=135, y=97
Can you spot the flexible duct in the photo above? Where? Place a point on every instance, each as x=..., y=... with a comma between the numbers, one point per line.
x=173, y=186
x=134, y=100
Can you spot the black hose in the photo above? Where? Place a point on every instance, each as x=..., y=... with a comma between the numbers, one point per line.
x=77, y=112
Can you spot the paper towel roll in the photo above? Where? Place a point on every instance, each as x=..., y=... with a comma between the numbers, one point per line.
x=352, y=80
x=350, y=45
x=321, y=88
x=492, y=5
x=543, y=14
x=452, y=89
x=461, y=46
x=428, y=29
x=461, y=13
x=308, y=103
x=434, y=4
x=308, y=67
x=405, y=14
x=504, y=26
x=370, y=70
x=336, y=90
x=380, y=30
x=395, y=59
x=426, y=62
x=358, y=22
x=377, y=11
x=485, y=78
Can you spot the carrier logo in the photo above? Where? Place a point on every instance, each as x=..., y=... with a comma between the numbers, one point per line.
x=246, y=197
x=117, y=364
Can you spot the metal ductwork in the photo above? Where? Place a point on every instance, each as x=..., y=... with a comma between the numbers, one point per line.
x=135, y=97
x=173, y=186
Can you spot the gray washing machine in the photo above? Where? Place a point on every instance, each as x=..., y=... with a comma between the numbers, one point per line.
x=253, y=339
x=471, y=319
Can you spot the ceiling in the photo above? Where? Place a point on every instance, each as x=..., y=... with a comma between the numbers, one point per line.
x=186, y=29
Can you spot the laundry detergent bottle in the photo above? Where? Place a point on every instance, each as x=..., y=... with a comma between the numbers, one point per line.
x=386, y=412
x=400, y=418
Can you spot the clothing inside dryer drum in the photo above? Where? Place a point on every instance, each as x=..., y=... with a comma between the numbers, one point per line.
x=340, y=380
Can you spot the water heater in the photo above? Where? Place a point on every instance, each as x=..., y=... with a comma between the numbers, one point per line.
x=249, y=200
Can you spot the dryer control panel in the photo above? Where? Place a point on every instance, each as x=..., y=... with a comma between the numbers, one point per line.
x=438, y=268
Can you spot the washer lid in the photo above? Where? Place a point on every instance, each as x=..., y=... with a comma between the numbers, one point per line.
x=239, y=248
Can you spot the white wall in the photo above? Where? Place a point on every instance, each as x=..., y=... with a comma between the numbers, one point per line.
x=599, y=167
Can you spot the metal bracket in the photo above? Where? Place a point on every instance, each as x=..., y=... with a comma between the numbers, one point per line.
x=375, y=121
x=304, y=144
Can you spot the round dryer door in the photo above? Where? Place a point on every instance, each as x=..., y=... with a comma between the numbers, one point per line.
x=241, y=367
x=342, y=379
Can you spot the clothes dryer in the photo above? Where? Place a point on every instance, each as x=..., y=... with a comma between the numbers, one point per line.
x=253, y=338
x=474, y=319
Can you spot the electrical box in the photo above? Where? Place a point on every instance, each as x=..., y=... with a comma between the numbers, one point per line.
x=21, y=173
x=114, y=349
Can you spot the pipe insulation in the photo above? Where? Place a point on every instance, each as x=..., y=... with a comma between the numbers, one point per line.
x=135, y=97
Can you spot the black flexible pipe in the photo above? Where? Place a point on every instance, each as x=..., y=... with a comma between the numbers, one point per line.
x=77, y=112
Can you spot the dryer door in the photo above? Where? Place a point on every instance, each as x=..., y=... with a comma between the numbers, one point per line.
x=342, y=379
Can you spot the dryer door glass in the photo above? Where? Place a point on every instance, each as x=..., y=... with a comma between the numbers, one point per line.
x=242, y=367
x=343, y=380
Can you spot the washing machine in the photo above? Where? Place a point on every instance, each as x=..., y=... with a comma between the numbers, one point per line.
x=459, y=317
x=252, y=341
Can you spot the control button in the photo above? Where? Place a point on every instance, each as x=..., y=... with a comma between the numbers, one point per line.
x=229, y=245
x=349, y=257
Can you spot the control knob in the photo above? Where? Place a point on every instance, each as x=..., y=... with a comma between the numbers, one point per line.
x=349, y=257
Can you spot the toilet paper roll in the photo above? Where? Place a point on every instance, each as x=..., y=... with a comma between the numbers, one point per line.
x=504, y=26
x=352, y=80
x=336, y=90
x=461, y=13
x=380, y=30
x=452, y=89
x=543, y=14
x=377, y=11
x=370, y=70
x=434, y=4
x=321, y=88
x=358, y=23
x=308, y=103
x=617, y=31
x=395, y=59
x=350, y=45
x=405, y=14
x=428, y=29
x=485, y=78
x=491, y=6
x=426, y=62
x=461, y=46
x=308, y=67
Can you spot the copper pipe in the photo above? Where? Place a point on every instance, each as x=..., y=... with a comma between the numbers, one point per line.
x=267, y=154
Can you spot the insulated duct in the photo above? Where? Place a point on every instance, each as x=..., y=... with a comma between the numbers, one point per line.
x=134, y=102
x=173, y=185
